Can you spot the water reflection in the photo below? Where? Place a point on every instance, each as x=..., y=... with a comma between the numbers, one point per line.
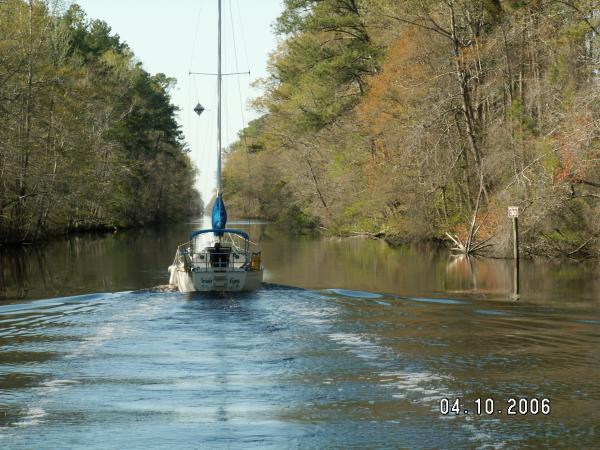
x=363, y=264
x=138, y=259
x=286, y=367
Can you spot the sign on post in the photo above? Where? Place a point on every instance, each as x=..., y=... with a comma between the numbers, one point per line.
x=513, y=214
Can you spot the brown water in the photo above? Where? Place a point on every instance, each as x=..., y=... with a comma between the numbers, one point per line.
x=351, y=344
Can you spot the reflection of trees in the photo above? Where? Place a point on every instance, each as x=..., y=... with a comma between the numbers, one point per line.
x=496, y=277
x=138, y=259
x=355, y=263
x=26, y=269
x=2, y=282
x=15, y=270
x=460, y=270
x=477, y=275
x=564, y=279
x=89, y=263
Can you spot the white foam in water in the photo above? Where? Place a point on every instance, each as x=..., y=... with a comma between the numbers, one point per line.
x=34, y=415
x=31, y=417
x=406, y=382
x=118, y=325
x=413, y=383
x=485, y=438
x=358, y=344
x=317, y=317
x=55, y=385
x=103, y=334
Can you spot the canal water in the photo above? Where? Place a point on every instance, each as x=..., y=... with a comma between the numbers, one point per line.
x=350, y=344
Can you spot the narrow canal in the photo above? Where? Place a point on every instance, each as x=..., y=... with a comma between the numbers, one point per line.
x=351, y=344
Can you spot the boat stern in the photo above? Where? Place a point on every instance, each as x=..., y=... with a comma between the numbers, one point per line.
x=225, y=281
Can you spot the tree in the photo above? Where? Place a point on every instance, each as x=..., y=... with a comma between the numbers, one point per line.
x=87, y=137
x=425, y=119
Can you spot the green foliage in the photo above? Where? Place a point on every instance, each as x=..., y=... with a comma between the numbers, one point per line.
x=88, y=138
x=526, y=123
x=416, y=118
x=550, y=160
x=319, y=73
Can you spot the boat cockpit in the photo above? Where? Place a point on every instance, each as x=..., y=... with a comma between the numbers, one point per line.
x=219, y=255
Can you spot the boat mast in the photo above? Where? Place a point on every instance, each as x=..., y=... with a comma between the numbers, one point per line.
x=219, y=83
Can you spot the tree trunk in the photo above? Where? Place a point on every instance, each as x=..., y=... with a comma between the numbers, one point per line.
x=467, y=106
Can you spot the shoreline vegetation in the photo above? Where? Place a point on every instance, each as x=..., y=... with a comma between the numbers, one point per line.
x=424, y=121
x=88, y=139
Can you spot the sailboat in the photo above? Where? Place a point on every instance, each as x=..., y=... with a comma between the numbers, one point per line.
x=218, y=259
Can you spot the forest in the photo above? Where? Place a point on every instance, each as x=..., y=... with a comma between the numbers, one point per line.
x=423, y=120
x=88, y=139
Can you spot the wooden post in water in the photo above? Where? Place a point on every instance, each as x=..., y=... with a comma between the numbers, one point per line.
x=513, y=213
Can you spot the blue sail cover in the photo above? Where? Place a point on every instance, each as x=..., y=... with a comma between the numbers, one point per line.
x=219, y=215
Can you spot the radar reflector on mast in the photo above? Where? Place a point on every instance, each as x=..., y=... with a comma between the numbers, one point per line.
x=199, y=109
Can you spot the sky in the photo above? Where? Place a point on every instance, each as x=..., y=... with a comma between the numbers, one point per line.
x=178, y=36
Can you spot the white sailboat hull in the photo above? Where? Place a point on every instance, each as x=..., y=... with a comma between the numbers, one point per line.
x=215, y=281
x=227, y=281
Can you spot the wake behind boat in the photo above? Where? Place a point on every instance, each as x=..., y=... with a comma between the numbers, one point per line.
x=217, y=259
